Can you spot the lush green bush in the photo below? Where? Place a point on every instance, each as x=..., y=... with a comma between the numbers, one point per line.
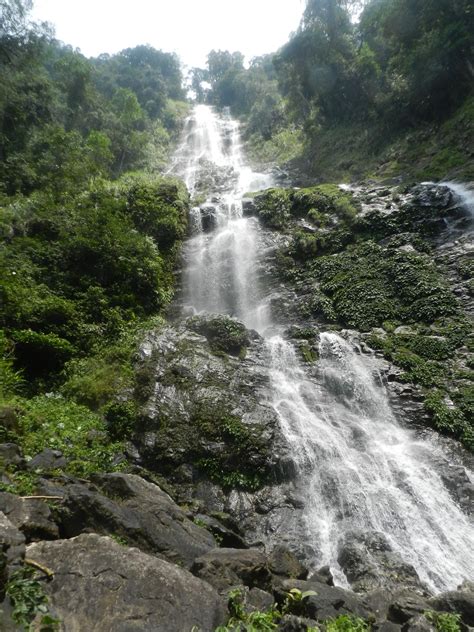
x=54, y=422
x=369, y=284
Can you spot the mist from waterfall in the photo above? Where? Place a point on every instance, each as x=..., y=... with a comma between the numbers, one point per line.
x=360, y=469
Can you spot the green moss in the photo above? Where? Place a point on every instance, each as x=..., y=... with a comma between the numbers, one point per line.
x=448, y=419
x=274, y=207
x=225, y=334
x=323, y=199
x=369, y=285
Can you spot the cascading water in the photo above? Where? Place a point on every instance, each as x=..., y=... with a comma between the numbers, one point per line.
x=220, y=272
x=464, y=195
x=361, y=470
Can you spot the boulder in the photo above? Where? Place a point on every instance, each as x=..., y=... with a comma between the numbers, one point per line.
x=432, y=196
x=406, y=604
x=328, y=602
x=418, y=623
x=100, y=585
x=369, y=562
x=259, y=600
x=47, y=460
x=456, y=601
x=10, y=454
x=224, y=568
x=33, y=517
x=140, y=512
x=387, y=626
x=323, y=575
x=282, y=562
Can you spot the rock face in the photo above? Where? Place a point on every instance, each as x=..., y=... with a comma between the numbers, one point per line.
x=460, y=601
x=224, y=568
x=138, y=512
x=328, y=602
x=101, y=586
x=32, y=517
x=12, y=541
x=203, y=388
x=369, y=562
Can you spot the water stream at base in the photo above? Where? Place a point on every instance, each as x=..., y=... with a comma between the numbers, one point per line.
x=360, y=468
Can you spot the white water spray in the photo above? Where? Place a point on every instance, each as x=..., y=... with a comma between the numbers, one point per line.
x=359, y=467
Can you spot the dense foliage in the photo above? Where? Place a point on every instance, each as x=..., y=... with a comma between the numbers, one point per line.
x=402, y=65
x=65, y=119
x=89, y=246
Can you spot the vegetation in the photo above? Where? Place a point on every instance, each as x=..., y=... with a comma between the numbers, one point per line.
x=444, y=621
x=89, y=246
x=241, y=620
x=374, y=270
x=29, y=601
x=388, y=93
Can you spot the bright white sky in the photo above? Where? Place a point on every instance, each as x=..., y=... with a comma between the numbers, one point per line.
x=190, y=28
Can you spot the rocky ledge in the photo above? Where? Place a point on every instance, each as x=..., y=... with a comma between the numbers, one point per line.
x=121, y=555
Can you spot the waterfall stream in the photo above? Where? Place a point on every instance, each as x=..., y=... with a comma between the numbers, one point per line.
x=360, y=468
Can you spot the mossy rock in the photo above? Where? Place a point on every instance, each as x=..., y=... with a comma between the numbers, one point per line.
x=224, y=334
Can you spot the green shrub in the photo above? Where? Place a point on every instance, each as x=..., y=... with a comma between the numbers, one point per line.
x=41, y=354
x=29, y=600
x=347, y=623
x=444, y=621
x=81, y=435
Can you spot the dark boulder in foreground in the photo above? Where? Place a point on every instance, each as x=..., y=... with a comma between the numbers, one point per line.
x=136, y=511
x=102, y=586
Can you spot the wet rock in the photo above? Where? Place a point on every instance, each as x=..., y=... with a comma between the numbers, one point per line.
x=284, y=563
x=328, y=602
x=10, y=454
x=406, y=604
x=47, y=460
x=32, y=517
x=208, y=217
x=137, y=511
x=224, y=334
x=369, y=562
x=224, y=568
x=456, y=601
x=100, y=585
x=248, y=206
x=432, y=196
x=323, y=575
x=215, y=403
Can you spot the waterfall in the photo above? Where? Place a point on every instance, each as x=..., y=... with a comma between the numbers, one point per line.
x=221, y=256
x=362, y=470
x=359, y=467
x=464, y=195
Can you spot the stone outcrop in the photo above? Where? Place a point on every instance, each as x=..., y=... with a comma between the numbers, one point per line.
x=102, y=586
